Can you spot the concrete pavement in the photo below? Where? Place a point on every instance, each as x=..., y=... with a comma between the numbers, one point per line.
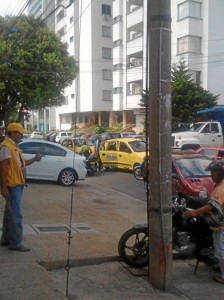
x=100, y=215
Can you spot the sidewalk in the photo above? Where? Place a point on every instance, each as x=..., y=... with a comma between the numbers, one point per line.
x=100, y=216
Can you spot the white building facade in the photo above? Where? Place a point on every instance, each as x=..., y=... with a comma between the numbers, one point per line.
x=108, y=41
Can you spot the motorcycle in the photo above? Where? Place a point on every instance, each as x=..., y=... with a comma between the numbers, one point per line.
x=190, y=236
x=138, y=171
x=91, y=165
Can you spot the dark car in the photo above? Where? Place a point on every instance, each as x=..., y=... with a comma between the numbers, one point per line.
x=193, y=181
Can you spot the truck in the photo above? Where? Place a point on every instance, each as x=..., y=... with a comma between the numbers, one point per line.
x=199, y=134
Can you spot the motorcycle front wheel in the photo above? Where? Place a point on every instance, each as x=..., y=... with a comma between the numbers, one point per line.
x=133, y=247
x=138, y=173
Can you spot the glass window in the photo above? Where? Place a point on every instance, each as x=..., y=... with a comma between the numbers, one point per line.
x=106, y=31
x=111, y=146
x=138, y=146
x=53, y=150
x=189, y=9
x=107, y=74
x=107, y=95
x=106, y=53
x=124, y=147
x=31, y=148
x=106, y=9
x=189, y=43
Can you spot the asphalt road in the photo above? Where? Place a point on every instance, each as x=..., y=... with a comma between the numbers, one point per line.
x=122, y=181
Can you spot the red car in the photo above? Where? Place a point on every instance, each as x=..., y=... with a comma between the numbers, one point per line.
x=212, y=152
x=193, y=181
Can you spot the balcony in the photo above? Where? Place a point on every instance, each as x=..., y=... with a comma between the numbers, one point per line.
x=134, y=74
x=135, y=46
x=133, y=101
x=135, y=19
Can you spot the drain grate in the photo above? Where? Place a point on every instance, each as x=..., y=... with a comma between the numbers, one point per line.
x=53, y=229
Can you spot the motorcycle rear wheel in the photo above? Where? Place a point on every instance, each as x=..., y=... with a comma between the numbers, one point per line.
x=133, y=247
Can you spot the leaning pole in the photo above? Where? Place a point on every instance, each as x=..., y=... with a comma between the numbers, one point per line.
x=159, y=200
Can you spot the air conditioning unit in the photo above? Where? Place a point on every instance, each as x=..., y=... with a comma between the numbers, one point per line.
x=106, y=17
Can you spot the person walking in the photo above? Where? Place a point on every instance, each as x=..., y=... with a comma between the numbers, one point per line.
x=12, y=182
x=97, y=145
x=217, y=200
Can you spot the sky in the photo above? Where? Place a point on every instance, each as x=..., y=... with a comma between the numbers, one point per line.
x=11, y=7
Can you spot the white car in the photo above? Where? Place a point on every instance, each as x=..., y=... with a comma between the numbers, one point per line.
x=36, y=135
x=62, y=134
x=58, y=163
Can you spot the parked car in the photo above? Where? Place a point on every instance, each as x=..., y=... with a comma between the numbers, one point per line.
x=61, y=135
x=122, y=153
x=36, y=135
x=75, y=144
x=195, y=184
x=58, y=163
x=48, y=135
x=212, y=152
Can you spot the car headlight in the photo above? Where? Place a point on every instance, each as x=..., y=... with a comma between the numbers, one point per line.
x=203, y=194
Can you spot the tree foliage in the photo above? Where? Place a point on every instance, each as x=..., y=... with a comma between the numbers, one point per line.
x=35, y=67
x=187, y=96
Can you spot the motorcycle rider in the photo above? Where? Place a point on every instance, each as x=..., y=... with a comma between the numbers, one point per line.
x=217, y=173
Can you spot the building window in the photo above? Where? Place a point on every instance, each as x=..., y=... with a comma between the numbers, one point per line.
x=189, y=43
x=189, y=9
x=71, y=19
x=107, y=74
x=106, y=31
x=71, y=39
x=106, y=9
x=106, y=53
x=73, y=96
x=64, y=100
x=118, y=18
x=107, y=95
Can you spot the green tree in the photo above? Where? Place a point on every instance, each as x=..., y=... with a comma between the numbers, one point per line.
x=187, y=96
x=35, y=67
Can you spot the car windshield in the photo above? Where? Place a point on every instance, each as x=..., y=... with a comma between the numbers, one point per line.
x=196, y=127
x=193, y=167
x=137, y=146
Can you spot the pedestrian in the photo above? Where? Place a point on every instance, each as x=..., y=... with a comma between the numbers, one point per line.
x=2, y=132
x=97, y=145
x=85, y=150
x=12, y=181
x=217, y=200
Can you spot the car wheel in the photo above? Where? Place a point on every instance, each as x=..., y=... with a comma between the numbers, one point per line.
x=67, y=177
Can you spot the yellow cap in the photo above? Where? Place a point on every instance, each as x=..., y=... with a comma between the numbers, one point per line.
x=16, y=127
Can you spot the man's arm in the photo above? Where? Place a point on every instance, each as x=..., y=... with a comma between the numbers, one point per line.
x=206, y=209
x=37, y=157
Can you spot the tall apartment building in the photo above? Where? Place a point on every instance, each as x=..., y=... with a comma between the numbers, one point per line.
x=197, y=37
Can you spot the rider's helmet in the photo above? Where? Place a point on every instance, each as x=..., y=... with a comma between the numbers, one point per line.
x=218, y=167
x=215, y=165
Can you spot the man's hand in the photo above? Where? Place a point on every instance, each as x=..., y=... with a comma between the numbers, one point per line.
x=190, y=214
x=38, y=157
x=5, y=192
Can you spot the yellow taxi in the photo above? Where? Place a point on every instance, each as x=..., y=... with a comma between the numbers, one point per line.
x=75, y=144
x=122, y=153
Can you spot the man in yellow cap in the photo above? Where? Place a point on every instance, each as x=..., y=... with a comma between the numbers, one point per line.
x=12, y=181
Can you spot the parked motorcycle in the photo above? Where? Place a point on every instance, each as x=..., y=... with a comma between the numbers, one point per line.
x=91, y=165
x=190, y=236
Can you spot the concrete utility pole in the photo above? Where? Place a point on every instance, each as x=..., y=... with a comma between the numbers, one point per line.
x=159, y=205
